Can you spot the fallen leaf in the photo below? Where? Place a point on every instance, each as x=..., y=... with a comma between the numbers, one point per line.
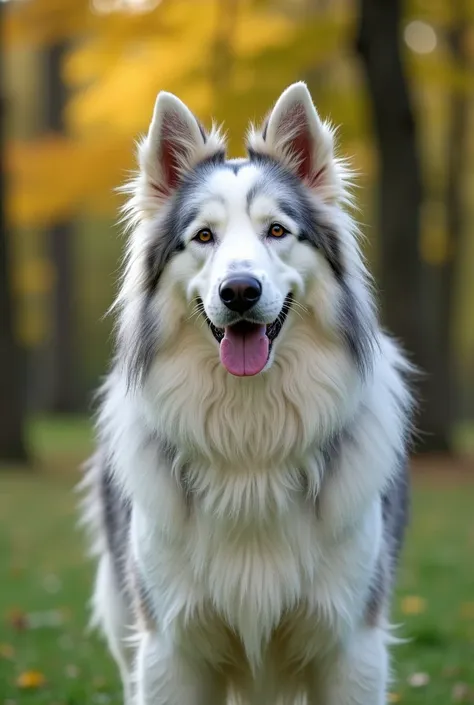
x=419, y=680
x=17, y=619
x=7, y=651
x=31, y=679
x=460, y=692
x=413, y=604
x=394, y=697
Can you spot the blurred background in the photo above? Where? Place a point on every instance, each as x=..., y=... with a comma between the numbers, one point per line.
x=78, y=83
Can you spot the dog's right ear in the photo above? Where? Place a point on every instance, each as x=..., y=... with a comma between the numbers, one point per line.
x=294, y=135
x=175, y=143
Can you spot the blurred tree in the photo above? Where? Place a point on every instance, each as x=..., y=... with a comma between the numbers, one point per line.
x=442, y=269
x=399, y=211
x=61, y=374
x=457, y=146
x=12, y=410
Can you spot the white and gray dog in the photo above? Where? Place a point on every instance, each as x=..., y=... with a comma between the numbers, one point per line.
x=248, y=495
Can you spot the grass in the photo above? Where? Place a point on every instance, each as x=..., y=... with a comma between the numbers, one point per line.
x=43, y=575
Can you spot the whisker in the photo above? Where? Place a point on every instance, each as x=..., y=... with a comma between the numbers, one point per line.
x=197, y=310
x=301, y=306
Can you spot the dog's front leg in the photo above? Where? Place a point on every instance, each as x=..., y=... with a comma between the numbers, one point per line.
x=356, y=674
x=164, y=675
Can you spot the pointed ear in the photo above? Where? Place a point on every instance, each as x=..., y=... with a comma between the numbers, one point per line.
x=175, y=143
x=294, y=135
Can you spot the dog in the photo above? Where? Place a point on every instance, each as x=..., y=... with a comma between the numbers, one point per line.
x=248, y=495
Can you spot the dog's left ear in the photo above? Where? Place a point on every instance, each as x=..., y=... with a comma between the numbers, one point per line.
x=294, y=135
x=175, y=143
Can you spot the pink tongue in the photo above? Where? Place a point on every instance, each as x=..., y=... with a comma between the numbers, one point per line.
x=244, y=353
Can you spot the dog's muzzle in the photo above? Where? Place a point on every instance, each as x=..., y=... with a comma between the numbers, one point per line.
x=246, y=346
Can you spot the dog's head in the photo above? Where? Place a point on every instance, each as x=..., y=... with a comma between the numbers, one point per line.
x=241, y=250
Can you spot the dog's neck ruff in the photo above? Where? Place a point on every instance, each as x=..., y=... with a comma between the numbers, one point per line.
x=308, y=395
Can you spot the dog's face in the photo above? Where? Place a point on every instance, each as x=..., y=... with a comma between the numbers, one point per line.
x=249, y=246
x=245, y=263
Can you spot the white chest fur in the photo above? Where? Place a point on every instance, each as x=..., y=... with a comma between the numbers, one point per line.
x=250, y=571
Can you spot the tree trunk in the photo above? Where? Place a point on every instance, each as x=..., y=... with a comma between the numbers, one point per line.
x=441, y=279
x=61, y=389
x=457, y=156
x=399, y=199
x=12, y=373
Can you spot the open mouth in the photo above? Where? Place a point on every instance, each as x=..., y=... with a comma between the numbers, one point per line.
x=245, y=346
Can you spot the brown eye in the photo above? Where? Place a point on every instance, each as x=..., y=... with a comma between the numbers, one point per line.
x=204, y=236
x=277, y=230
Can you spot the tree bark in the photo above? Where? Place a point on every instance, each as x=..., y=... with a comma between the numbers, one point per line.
x=61, y=389
x=402, y=272
x=441, y=278
x=12, y=373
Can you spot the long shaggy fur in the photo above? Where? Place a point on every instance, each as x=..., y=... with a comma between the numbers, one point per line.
x=247, y=529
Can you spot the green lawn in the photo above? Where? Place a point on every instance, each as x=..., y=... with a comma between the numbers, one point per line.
x=43, y=576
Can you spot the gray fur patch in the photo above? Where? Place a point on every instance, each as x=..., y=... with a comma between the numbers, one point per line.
x=395, y=503
x=116, y=515
x=115, y=510
x=140, y=598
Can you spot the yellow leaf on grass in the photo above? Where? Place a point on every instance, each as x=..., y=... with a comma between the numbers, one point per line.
x=394, y=697
x=31, y=679
x=413, y=604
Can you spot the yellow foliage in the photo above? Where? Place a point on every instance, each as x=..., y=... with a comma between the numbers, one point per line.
x=52, y=177
x=127, y=75
x=115, y=72
x=231, y=70
x=33, y=277
x=44, y=21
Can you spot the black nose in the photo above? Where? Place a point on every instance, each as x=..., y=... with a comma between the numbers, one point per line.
x=240, y=292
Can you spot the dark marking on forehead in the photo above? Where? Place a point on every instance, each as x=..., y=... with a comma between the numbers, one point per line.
x=236, y=165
